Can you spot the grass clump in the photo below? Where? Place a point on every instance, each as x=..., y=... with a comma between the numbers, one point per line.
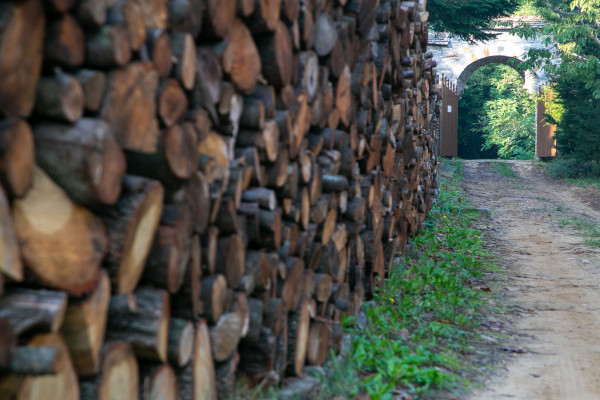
x=585, y=227
x=503, y=169
x=420, y=330
x=571, y=168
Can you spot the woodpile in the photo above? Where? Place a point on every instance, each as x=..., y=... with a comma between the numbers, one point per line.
x=198, y=191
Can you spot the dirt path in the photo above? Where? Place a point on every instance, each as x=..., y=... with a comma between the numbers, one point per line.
x=553, y=285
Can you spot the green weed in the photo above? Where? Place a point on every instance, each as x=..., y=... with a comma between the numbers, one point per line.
x=586, y=227
x=503, y=169
x=421, y=328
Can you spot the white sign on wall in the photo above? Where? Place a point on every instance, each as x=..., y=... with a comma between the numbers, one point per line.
x=449, y=109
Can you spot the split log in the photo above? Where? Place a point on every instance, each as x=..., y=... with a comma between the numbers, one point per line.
x=28, y=309
x=171, y=102
x=85, y=325
x=17, y=156
x=158, y=45
x=109, y=47
x=231, y=256
x=59, y=97
x=276, y=56
x=130, y=107
x=84, y=159
x=10, y=259
x=20, y=72
x=298, y=331
x=181, y=342
x=214, y=291
x=219, y=18
x=34, y=360
x=131, y=226
x=118, y=377
x=184, y=51
x=239, y=57
x=93, y=83
x=197, y=380
x=154, y=13
x=187, y=303
x=128, y=15
x=147, y=329
x=225, y=376
x=62, y=384
x=157, y=382
x=92, y=12
x=225, y=336
x=265, y=16
x=65, y=43
x=61, y=242
x=186, y=16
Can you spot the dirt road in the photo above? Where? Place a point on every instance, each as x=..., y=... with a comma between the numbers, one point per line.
x=553, y=283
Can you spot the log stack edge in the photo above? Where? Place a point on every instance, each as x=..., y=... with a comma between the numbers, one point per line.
x=198, y=191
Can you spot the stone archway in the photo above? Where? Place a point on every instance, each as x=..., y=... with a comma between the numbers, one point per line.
x=530, y=78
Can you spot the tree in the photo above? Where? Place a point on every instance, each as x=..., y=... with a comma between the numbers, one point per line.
x=468, y=19
x=572, y=36
x=496, y=116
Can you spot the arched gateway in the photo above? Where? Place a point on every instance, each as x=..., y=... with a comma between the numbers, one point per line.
x=457, y=60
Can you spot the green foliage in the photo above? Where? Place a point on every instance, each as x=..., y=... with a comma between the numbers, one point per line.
x=421, y=327
x=468, y=19
x=572, y=168
x=496, y=116
x=578, y=131
x=573, y=27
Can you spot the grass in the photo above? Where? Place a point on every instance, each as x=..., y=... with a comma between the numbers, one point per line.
x=421, y=331
x=585, y=227
x=503, y=169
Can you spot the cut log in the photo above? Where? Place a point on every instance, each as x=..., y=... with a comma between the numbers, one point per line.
x=20, y=72
x=158, y=44
x=154, y=13
x=197, y=380
x=34, y=360
x=168, y=259
x=276, y=56
x=62, y=384
x=61, y=242
x=65, y=43
x=184, y=51
x=326, y=33
x=291, y=289
x=264, y=197
x=319, y=339
x=343, y=97
x=92, y=12
x=187, y=303
x=130, y=107
x=231, y=256
x=131, y=226
x=123, y=303
x=298, y=331
x=28, y=309
x=225, y=336
x=128, y=15
x=118, y=377
x=8, y=343
x=85, y=325
x=219, y=18
x=93, y=83
x=171, y=102
x=214, y=292
x=147, y=329
x=225, y=376
x=308, y=78
x=17, y=156
x=253, y=115
x=186, y=16
x=157, y=382
x=108, y=48
x=244, y=8
x=84, y=159
x=181, y=342
x=239, y=57
x=10, y=259
x=59, y=97
x=265, y=16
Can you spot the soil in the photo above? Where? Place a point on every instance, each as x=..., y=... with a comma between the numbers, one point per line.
x=552, y=327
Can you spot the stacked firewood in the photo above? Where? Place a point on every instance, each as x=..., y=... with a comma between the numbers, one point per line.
x=198, y=191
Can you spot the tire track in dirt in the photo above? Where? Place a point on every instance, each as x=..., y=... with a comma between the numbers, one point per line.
x=553, y=279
